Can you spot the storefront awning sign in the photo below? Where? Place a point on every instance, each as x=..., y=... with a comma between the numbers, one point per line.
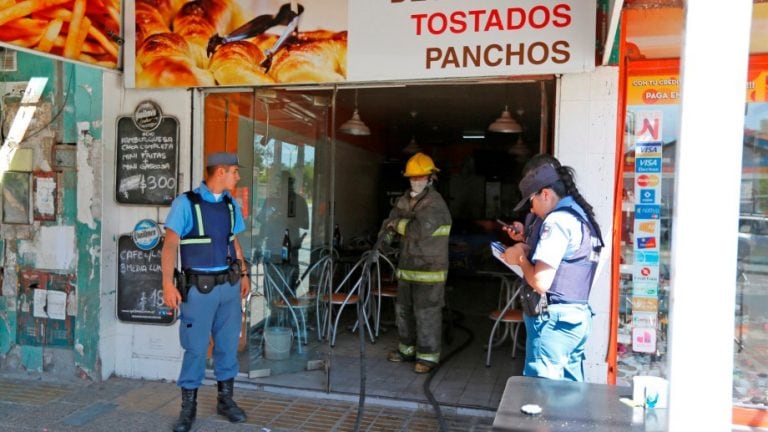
x=361, y=41
x=456, y=38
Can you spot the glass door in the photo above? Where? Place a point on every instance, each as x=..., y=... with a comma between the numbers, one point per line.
x=282, y=141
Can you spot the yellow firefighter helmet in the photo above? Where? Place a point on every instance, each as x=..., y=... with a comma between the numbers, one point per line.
x=420, y=165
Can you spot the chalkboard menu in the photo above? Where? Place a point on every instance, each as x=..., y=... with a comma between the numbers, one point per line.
x=147, y=162
x=140, y=284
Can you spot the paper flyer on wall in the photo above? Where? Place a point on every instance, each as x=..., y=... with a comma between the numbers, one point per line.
x=497, y=249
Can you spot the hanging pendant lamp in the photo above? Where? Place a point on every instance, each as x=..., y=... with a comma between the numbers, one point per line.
x=412, y=147
x=355, y=125
x=505, y=123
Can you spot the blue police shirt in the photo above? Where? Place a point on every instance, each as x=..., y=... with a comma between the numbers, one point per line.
x=560, y=234
x=180, y=217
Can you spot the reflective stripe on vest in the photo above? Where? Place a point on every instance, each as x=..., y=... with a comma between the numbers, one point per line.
x=401, y=224
x=195, y=241
x=442, y=230
x=422, y=276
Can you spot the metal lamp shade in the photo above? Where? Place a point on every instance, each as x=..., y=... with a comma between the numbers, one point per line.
x=505, y=123
x=355, y=126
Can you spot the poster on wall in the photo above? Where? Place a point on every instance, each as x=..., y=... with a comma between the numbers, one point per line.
x=82, y=30
x=263, y=42
x=240, y=42
x=46, y=309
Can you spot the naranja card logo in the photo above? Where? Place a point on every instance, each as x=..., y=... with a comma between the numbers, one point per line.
x=648, y=227
x=645, y=180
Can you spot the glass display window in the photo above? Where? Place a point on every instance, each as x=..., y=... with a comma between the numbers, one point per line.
x=648, y=172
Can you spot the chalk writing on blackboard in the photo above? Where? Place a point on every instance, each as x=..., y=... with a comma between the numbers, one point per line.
x=140, y=284
x=147, y=162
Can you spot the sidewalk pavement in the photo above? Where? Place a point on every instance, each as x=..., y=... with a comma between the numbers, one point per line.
x=126, y=405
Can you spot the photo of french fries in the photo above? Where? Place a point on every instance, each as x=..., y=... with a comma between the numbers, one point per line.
x=84, y=30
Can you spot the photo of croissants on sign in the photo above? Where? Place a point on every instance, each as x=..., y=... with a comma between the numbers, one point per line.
x=202, y=43
x=82, y=30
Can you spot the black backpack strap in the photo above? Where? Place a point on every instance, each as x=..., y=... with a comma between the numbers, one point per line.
x=195, y=199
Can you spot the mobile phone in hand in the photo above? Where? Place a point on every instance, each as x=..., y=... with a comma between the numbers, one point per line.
x=507, y=226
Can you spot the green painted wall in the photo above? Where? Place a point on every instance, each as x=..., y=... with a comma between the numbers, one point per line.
x=76, y=94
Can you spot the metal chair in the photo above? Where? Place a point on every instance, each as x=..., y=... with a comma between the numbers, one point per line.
x=383, y=289
x=509, y=315
x=358, y=292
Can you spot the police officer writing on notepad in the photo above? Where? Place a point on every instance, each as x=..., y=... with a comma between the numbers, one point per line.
x=204, y=223
x=559, y=261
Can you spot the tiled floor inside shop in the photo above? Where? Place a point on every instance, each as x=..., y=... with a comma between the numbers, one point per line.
x=463, y=380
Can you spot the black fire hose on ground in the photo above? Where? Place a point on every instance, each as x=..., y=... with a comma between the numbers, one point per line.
x=453, y=323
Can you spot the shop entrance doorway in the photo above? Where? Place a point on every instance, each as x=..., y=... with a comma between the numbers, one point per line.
x=304, y=180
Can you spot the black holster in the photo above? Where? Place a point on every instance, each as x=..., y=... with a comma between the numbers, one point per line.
x=235, y=271
x=180, y=280
x=533, y=303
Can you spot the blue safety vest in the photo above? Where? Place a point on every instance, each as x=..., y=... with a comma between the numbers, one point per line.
x=574, y=275
x=210, y=241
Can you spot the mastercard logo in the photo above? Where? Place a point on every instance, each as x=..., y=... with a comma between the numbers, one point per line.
x=645, y=180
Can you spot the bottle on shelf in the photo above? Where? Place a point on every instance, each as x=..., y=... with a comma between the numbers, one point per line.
x=336, y=237
x=285, y=251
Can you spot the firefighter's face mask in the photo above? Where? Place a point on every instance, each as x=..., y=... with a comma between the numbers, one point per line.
x=418, y=184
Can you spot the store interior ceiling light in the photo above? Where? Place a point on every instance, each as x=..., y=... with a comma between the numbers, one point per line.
x=505, y=123
x=519, y=148
x=355, y=125
x=412, y=147
x=473, y=134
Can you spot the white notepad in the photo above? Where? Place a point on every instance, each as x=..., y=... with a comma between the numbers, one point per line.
x=497, y=248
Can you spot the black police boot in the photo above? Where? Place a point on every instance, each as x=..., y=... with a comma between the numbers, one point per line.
x=226, y=406
x=188, y=411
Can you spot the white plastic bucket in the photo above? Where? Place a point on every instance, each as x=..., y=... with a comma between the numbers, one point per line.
x=277, y=343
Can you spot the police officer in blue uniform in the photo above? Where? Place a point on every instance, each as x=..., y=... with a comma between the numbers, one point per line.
x=559, y=261
x=203, y=223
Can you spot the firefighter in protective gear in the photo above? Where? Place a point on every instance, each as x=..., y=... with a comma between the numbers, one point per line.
x=422, y=220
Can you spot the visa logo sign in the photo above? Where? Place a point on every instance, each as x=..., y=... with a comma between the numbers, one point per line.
x=646, y=243
x=644, y=211
x=647, y=196
x=648, y=165
x=647, y=227
x=648, y=149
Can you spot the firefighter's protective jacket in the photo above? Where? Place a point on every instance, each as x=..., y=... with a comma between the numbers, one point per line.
x=424, y=223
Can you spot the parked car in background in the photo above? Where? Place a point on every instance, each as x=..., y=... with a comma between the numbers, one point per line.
x=753, y=238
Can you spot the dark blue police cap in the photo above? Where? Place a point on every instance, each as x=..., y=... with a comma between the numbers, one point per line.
x=221, y=158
